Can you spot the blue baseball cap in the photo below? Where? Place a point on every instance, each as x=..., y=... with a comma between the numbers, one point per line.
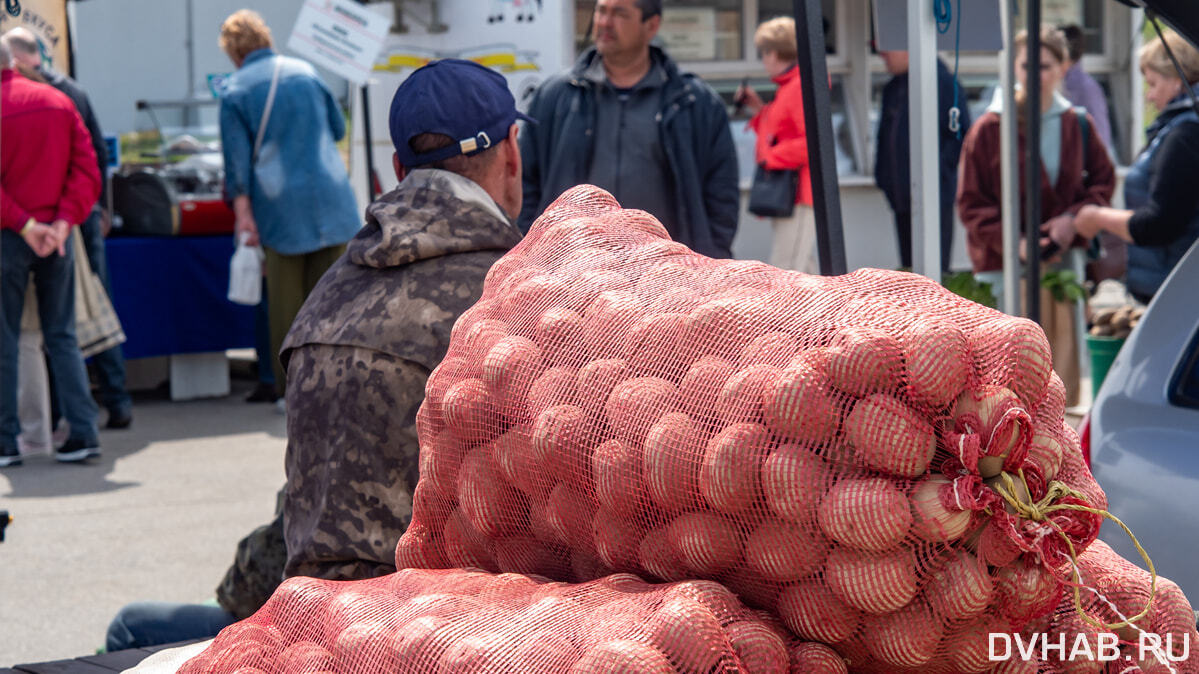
x=457, y=98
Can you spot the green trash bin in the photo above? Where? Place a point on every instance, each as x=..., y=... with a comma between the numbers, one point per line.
x=1103, y=352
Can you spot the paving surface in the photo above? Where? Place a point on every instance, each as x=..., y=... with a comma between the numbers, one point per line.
x=156, y=517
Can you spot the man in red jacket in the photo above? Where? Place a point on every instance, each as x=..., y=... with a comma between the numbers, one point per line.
x=48, y=183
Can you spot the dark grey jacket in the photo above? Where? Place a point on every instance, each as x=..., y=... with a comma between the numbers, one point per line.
x=694, y=130
x=74, y=92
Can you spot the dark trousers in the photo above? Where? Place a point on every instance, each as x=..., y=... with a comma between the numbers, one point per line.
x=262, y=340
x=54, y=281
x=289, y=279
x=110, y=364
x=903, y=229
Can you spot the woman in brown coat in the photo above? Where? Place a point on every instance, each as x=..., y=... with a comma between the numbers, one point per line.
x=1067, y=184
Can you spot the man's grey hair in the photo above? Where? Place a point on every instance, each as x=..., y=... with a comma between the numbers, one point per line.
x=21, y=39
x=649, y=8
x=5, y=56
x=474, y=167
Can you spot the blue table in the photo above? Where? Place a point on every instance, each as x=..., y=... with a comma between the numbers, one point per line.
x=170, y=294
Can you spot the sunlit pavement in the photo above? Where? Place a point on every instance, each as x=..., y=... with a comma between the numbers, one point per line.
x=157, y=516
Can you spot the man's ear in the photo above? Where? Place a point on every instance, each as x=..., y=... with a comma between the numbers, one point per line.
x=653, y=24
x=512, y=151
x=399, y=168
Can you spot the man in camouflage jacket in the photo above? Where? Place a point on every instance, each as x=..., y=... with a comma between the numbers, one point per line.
x=362, y=347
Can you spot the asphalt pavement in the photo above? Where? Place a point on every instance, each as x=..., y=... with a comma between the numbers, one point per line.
x=157, y=516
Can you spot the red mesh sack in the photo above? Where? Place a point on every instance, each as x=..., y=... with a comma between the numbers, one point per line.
x=1113, y=591
x=851, y=453
x=463, y=621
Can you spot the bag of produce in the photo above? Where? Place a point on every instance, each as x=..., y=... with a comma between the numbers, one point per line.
x=462, y=621
x=870, y=457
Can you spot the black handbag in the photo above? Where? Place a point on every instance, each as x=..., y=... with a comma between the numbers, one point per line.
x=773, y=192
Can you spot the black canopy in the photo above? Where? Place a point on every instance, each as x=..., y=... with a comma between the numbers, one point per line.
x=1183, y=15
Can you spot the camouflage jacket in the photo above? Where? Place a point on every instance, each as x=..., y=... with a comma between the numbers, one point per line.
x=358, y=356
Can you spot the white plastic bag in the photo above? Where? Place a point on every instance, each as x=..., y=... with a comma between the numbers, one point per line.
x=245, y=273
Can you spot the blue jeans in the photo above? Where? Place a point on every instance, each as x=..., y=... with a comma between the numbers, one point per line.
x=153, y=623
x=54, y=282
x=110, y=364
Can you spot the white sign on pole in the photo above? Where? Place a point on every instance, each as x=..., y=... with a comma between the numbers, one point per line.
x=339, y=35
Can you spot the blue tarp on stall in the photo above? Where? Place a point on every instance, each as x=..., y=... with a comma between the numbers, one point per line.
x=170, y=294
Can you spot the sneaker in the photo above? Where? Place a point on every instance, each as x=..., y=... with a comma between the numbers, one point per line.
x=77, y=450
x=263, y=393
x=9, y=456
x=118, y=419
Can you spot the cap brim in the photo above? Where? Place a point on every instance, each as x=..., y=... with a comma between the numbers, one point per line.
x=521, y=115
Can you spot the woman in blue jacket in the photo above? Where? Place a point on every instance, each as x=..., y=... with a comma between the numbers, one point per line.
x=1163, y=220
x=283, y=172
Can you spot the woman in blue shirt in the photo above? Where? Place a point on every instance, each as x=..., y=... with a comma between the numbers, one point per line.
x=287, y=181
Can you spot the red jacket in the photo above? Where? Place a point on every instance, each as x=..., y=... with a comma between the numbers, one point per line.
x=782, y=137
x=47, y=164
x=979, y=194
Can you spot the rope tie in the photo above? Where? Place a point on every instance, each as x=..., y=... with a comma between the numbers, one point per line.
x=1116, y=610
x=1040, y=512
x=956, y=499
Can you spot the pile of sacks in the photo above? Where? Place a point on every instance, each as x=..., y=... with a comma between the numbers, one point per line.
x=868, y=461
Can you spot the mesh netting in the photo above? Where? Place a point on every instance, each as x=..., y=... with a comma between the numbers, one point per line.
x=1113, y=590
x=878, y=468
x=464, y=621
x=831, y=449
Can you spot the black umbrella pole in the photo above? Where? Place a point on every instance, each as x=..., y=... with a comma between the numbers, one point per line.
x=817, y=108
x=1032, y=164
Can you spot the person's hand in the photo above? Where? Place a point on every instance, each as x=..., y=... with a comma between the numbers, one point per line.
x=246, y=225
x=749, y=99
x=62, y=230
x=1058, y=230
x=1087, y=222
x=105, y=222
x=41, y=238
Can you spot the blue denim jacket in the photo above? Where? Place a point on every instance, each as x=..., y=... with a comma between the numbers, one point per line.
x=298, y=186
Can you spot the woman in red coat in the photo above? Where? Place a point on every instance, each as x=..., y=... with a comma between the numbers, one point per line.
x=783, y=142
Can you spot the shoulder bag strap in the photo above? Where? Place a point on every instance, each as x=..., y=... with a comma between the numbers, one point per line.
x=1084, y=126
x=266, y=110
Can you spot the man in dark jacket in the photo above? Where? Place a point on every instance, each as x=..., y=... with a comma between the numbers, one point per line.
x=361, y=349
x=892, y=168
x=110, y=364
x=627, y=120
x=48, y=183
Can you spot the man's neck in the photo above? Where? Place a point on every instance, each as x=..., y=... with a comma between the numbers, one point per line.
x=627, y=72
